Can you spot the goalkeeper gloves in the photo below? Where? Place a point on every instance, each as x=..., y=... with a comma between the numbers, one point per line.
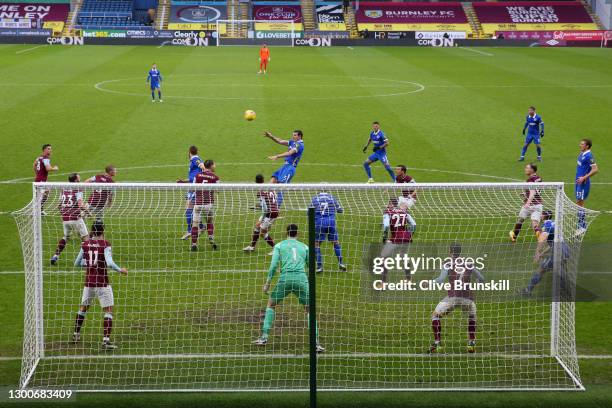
x=365, y=148
x=542, y=134
x=523, y=131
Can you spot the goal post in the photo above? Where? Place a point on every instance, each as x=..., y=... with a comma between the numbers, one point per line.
x=186, y=320
x=256, y=32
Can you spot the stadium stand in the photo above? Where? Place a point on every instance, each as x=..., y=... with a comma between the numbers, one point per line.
x=110, y=14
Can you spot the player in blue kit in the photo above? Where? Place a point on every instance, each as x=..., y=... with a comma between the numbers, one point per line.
x=545, y=253
x=155, y=79
x=326, y=206
x=585, y=169
x=196, y=166
x=533, y=131
x=293, y=155
x=377, y=137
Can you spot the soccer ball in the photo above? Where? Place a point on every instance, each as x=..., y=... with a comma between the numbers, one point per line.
x=250, y=115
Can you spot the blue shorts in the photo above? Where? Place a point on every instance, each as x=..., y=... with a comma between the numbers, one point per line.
x=582, y=190
x=326, y=228
x=155, y=86
x=532, y=138
x=284, y=174
x=379, y=155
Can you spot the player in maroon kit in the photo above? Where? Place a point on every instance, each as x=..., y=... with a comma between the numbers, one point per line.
x=42, y=168
x=456, y=270
x=532, y=204
x=400, y=223
x=96, y=256
x=71, y=208
x=268, y=203
x=100, y=199
x=401, y=177
x=203, y=206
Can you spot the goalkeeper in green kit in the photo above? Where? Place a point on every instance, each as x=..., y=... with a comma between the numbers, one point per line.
x=293, y=258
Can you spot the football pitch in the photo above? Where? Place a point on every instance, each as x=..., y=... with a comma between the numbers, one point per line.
x=450, y=114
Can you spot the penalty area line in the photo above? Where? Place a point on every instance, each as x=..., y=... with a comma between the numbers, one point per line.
x=488, y=54
x=30, y=49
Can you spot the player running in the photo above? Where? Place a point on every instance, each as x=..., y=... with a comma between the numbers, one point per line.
x=96, y=256
x=545, y=252
x=585, y=169
x=42, y=168
x=532, y=206
x=456, y=271
x=267, y=202
x=534, y=126
x=400, y=223
x=155, y=79
x=292, y=255
x=196, y=165
x=377, y=137
x=71, y=208
x=326, y=206
x=293, y=155
x=100, y=199
x=204, y=202
x=264, y=58
x=402, y=177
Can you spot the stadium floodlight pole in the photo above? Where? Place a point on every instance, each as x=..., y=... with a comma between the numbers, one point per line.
x=312, y=311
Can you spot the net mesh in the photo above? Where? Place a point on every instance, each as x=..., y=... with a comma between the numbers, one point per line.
x=186, y=320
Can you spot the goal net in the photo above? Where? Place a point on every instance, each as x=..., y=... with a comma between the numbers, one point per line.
x=186, y=320
x=257, y=32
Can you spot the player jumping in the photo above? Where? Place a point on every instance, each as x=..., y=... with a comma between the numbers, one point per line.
x=292, y=255
x=295, y=149
x=100, y=199
x=532, y=206
x=585, y=169
x=264, y=58
x=545, y=252
x=155, y=79
x=267, y=202
x=326, y=206
x=96, y=256
x=196, y=165
x=380, y=152
x=204, y=202
x=534, y=126
x=42, y=168
x=400, y=223
x=71, y=208
x=455, y=271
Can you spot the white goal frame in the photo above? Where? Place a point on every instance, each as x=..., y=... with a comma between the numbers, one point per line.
x=227, y=23
x=30, y=220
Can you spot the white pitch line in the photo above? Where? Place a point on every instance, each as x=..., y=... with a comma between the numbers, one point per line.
x=488, y=54
x=156, y=166
x=213, y=356
x=30, y=49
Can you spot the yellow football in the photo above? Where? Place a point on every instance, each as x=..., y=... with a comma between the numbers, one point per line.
x=250, y=115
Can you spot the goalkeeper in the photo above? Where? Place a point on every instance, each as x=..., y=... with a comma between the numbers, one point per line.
x=293, y=258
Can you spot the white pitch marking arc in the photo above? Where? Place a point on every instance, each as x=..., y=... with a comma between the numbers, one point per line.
x=418, y=88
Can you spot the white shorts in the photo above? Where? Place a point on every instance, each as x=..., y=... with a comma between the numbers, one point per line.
x=202, y=210
x=266, y=222
x=448, y=304
x=390, y=250
x=533, y=211
x=104, y=295
x=77, y=225
x=97, y=212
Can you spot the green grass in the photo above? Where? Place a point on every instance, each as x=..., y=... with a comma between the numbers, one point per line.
x=463, y=124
